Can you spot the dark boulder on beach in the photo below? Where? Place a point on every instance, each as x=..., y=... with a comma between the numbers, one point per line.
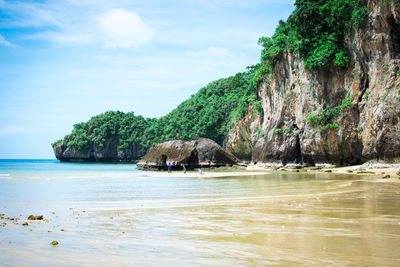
x=197, y=153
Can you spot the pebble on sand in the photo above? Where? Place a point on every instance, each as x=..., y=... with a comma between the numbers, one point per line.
x=33, y=217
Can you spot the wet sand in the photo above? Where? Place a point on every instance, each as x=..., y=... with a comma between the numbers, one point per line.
x=358, y=170
x=281, y=218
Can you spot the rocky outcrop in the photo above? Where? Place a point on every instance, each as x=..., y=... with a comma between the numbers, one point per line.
x=244, y=135
x=95, y=153
x=367, y=129
x=198, y=153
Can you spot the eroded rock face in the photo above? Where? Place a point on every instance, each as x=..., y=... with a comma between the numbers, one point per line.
x=367, y=130
x=107, y=153
x=198, y=153
x=244, y=135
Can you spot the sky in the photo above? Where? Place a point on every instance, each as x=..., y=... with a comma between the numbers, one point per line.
x=63, y=62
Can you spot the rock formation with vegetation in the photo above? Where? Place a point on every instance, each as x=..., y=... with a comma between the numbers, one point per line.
x=338, y=99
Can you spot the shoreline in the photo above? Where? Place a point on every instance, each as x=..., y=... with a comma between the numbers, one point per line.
x=386, y=172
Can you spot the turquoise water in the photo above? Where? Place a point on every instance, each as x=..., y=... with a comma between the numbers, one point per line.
x=43, y=167
x=114, y=214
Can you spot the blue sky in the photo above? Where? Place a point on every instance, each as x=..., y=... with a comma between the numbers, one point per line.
x=62, y=62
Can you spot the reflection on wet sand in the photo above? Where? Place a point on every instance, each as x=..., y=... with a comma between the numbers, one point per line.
x=286, y=220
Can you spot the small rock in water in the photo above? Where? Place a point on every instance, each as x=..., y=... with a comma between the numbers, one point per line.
x=386, y=176
x=33, y=217
x=62, y=230
x=327, y=170
x=398, y=172
x=54, y=243
x=349, y=171
x=25, y=224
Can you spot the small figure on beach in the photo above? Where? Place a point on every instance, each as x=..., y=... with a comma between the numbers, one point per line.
x=169, y=166
x=184, y=168
x=200, y=172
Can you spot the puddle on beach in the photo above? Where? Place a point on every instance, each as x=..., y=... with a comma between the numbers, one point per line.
x=276, y=219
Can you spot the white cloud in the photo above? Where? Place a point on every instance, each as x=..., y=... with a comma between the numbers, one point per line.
x=14, y=130
x=4, y=42
x=116, y=28
x=76, y=22
x=121, y=28
x=210, y=51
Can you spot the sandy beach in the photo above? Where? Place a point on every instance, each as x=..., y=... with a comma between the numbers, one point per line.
x=263, y=216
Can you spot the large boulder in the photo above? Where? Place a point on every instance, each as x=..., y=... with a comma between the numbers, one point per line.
x=197, y=153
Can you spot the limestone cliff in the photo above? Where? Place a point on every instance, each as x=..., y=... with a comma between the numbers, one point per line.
x=366, y=129
x=245, y=134
x=95, y=153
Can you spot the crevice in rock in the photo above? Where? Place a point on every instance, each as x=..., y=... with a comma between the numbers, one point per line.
x=297, y=151
x=193, y=160
x=364, y=80
x=394, y=38
x=364, y=85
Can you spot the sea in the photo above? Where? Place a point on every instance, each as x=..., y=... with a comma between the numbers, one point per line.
x=116, y=215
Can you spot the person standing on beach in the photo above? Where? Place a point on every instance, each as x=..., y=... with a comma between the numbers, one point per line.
x=169, y=166
x=184, y=168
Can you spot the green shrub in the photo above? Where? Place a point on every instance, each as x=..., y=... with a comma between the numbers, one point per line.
x=326, y=115
x=316, y=30
x=259, y=132
x=59, y=141
x=288, y=130
x=329, y=126
x=385, y=95
x=367, y=95
x=278, y=131
x=258, y=107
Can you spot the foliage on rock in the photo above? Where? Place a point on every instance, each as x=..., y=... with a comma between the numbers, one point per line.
x=315, y=30
x=326, y=116
x=209, y=113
